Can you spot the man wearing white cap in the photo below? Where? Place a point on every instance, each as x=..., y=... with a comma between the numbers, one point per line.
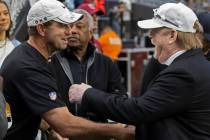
x=176, y=104
x=29, y=85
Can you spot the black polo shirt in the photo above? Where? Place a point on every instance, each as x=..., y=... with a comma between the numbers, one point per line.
x=30, y=89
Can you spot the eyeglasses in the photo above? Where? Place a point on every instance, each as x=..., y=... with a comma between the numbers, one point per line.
x=156, y=15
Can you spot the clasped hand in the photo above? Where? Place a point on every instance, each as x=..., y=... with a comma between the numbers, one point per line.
x=77, y=91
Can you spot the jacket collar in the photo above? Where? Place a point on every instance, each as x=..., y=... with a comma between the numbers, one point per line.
x=179, y=58
x=188, y=54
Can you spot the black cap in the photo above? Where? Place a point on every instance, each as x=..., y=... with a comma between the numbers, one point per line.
x=204, y=19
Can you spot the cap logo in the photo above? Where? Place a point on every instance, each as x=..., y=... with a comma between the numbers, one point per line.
x=163, y=18
x=72, y=17
x=53, y=95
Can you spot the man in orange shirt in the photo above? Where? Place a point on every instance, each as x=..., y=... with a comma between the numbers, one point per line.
x=111, y=43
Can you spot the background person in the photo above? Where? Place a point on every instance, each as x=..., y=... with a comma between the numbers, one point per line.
x=111, y=43
x=6, y=43
x=176, y=100
x=95, y=12
x=204, y=19
x=79, y=63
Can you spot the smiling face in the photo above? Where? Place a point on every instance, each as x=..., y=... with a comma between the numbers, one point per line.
x=162, y=38
x=5, y=20
x=56, y=35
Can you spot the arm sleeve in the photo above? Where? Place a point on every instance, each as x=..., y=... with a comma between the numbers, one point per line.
x=38, y=90
x=169, y=94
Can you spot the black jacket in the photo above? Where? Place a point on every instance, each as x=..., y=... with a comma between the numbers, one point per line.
x=176, y=105
x=96, y=70
x=151, y=70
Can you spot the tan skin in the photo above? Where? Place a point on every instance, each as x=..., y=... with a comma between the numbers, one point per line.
x=95, y=21
x=79, y=37
x=5, y=21
x=54, y=37
x=165, y=41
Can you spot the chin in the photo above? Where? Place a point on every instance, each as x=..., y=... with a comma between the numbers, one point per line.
x=2, y=29
x=62, y=47
x=74, y=48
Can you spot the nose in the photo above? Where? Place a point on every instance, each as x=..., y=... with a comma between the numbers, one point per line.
x=72, y=29
x=67, y=32
x=2, y=17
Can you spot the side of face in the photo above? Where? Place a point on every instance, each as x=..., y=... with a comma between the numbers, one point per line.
x=163, y=39
x=55, y=35
x=80, y=34
x=5, y=19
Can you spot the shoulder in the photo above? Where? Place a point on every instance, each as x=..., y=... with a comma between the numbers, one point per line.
x=102, y=57
x=24, y=59
x=23, y=54
x=105, y=62
x=15, y=42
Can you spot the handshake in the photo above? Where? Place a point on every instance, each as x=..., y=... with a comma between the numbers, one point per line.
x=76, y=92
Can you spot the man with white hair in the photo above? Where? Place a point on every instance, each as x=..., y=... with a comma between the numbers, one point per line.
x=176, y=104
x=30, y=87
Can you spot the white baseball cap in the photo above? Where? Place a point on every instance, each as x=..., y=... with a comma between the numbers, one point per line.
x=46, y=10
x=172, y=15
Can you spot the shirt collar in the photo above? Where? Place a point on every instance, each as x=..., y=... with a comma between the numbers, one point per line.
x=174, y=56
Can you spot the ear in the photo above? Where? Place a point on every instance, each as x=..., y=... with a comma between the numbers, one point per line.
x=90, y=34
x=173, y=36
x=40, y=29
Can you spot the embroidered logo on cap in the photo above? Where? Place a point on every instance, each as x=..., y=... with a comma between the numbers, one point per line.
x=53, y=95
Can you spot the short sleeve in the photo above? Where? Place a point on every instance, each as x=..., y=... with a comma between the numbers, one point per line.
x=38, y=89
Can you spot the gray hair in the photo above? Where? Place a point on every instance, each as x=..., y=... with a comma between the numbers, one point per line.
x=89, y=17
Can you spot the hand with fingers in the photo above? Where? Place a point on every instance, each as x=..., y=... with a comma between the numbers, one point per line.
x=77, y=91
